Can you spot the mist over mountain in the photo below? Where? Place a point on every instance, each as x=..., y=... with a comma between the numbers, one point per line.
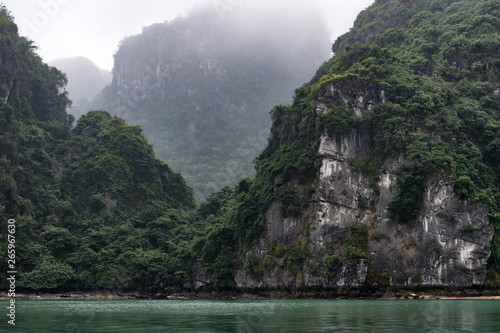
x=85, y=81
x=202, y=86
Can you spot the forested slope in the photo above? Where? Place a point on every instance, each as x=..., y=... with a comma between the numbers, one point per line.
x=93, y=206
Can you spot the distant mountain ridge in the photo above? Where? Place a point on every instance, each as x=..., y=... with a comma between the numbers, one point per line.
x=202, y=87
x=85, y=82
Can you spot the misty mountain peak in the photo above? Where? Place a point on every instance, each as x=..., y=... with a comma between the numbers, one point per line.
x=85, y=81
x=202, y=86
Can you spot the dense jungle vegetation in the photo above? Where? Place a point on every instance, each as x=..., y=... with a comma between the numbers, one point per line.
x=95, y=208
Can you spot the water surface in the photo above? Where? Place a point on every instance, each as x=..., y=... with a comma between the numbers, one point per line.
x=255, y=316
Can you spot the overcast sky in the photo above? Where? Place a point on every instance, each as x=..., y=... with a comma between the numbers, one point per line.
x=94, y=28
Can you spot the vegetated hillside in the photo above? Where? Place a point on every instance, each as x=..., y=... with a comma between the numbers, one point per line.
x=385, y=170
x=85, y=82
x=93, y=206
x=202, y=86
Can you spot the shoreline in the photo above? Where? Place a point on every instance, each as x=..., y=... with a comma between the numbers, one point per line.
x=403, y=295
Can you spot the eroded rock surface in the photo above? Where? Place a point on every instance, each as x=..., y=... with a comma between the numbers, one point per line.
x=350, y=238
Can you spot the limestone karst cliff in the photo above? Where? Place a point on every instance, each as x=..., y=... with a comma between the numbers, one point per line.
x=385, y=169
x=350, y=237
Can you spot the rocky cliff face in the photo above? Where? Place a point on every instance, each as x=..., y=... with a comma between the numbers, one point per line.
x=348, y=236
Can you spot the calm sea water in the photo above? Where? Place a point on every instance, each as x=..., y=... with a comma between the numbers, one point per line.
x=255, y=316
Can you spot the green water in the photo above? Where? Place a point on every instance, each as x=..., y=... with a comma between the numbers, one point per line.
x=255, y=316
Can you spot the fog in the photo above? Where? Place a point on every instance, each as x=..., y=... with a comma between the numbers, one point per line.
x=93, y=28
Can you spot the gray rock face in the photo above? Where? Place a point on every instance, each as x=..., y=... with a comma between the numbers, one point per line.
x=8, y=89
x=287, y=231
x=350, y=237
x=200, y=279
x=447, y=247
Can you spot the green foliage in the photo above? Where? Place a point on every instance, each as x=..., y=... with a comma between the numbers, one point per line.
x=493, y=277
x=276, y=249
x=416, y=278
x=48, y=275
x=356, y=241
x=363, y=203
x=336, y=121
x=223, y=267
x=292, y=256
x=494, y=261
x=385, y=279
x=248, y=217
x=217, y=240
x=253, y=265
x=118, y=164
x=289, y=205
x=306, y=224
x=295, y=256
x=312, y=267
x=423, y=158
x=464, y=186
x=357, y=236
x=369, y=165
x=96, y=206
x=259, y=267
x=332, y=265
x=217, y=201
x=289, y=157
x=441, y=114
x=59, y=240
x=85, y=280
x=446, y=214
x=469, y=228
x=355, y=253
x=379, y=236
x=382, y=278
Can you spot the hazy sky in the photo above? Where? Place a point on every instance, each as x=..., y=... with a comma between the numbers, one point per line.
x=94, y=28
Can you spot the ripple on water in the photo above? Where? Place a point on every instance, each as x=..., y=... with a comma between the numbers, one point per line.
x=257, y=316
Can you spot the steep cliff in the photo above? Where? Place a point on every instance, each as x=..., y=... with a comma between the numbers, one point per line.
x=347, y=236
x=385, y=169
x=202, y=86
